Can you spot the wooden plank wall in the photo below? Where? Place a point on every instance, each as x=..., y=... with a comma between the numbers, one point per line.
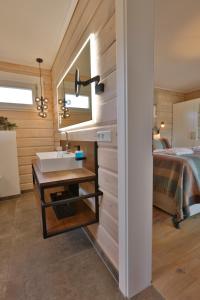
x=98, y=17
x=192, y=95
x=164, y=101
x=34, y=134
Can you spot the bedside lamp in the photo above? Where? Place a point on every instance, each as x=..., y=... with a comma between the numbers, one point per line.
x=162, y=125
x=156, y=130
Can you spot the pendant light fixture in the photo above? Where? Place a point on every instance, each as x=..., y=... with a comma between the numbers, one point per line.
x=63, y=105
x=41, y=101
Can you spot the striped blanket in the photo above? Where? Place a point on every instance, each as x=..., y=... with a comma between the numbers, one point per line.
x=177, y=178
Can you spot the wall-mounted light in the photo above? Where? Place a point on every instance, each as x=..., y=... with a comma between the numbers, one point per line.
x=156, y=130
x=41, y=101
x=99, y=87
x=162, y=125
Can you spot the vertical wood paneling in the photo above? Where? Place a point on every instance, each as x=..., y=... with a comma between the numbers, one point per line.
x=98, y=17
x=33, y=133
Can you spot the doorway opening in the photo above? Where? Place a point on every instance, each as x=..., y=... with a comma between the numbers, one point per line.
x=176, y=145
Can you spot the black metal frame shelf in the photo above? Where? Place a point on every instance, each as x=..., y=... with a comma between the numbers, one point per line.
x=42, y=186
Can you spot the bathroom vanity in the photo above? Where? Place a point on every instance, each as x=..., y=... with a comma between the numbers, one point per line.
x=68, y=198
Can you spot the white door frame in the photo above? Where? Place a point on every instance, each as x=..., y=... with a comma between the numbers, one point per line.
x=135, y=86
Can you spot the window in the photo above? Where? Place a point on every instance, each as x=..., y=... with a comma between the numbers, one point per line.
x=16, y=95
x=72, y=101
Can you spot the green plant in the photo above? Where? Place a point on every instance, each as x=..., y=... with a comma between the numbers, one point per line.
x=6, y=125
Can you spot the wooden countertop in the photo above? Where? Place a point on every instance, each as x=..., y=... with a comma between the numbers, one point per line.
x=70, y=176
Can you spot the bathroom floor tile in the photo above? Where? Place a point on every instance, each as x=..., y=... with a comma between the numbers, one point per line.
x=148, y=294
x=7, y=210
x=26, y=202
x=6, y=229
x=81, y=276
x=62, y=267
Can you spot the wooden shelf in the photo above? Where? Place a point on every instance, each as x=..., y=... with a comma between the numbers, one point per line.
x=83, y=215
x=59, y=177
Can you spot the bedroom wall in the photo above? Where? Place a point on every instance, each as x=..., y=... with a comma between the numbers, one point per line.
x=192, y=95
x=164, y=100
x=98, y=17
x=34, y=134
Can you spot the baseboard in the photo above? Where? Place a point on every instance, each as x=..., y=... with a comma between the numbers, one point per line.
x=102, y=255
x=15, y=196
x=9, y=197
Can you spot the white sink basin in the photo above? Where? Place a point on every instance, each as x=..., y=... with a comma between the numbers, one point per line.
x=57, y=161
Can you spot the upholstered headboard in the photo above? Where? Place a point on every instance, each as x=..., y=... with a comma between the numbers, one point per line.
x=161, y=143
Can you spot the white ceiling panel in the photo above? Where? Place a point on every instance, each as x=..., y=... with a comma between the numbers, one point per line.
x=177, y=44
x=33, y=28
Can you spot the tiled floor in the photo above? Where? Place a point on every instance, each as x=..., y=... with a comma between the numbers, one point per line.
x=62, y=267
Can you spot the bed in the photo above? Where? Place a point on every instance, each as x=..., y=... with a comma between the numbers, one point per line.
x=176, y=184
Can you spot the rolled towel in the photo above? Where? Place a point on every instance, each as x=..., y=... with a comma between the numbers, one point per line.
x=159, y=151
x=176, y=151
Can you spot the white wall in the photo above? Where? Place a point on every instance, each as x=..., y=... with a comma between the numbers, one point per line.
x=135, y=82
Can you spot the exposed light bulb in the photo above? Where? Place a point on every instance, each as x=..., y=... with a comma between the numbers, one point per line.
x=38, y=107
x=37, y=99
x=44, y=115
x=162, y=125
x=66, y=115
x=60, y=101
x=45, y=106
x=41, y=114
x=45, y=100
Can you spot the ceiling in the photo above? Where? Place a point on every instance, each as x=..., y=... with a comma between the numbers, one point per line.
x=177, y=45
x=33, y=28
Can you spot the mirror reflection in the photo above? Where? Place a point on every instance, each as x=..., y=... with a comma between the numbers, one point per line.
x=71, y=109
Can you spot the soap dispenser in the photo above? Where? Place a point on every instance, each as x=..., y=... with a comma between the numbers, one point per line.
x=79, y=154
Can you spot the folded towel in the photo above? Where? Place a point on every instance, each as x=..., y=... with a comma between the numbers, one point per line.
x=175, y=151
x=159, y=150
x=196, y=149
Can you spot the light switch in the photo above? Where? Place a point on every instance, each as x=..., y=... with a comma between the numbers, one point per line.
x=104, y=136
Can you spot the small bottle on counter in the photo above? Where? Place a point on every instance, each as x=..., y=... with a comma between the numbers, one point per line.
x=79, y=154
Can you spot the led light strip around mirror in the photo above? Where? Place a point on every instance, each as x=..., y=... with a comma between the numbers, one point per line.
x=93, y=67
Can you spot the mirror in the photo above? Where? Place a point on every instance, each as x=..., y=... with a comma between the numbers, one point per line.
x=71, y=109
